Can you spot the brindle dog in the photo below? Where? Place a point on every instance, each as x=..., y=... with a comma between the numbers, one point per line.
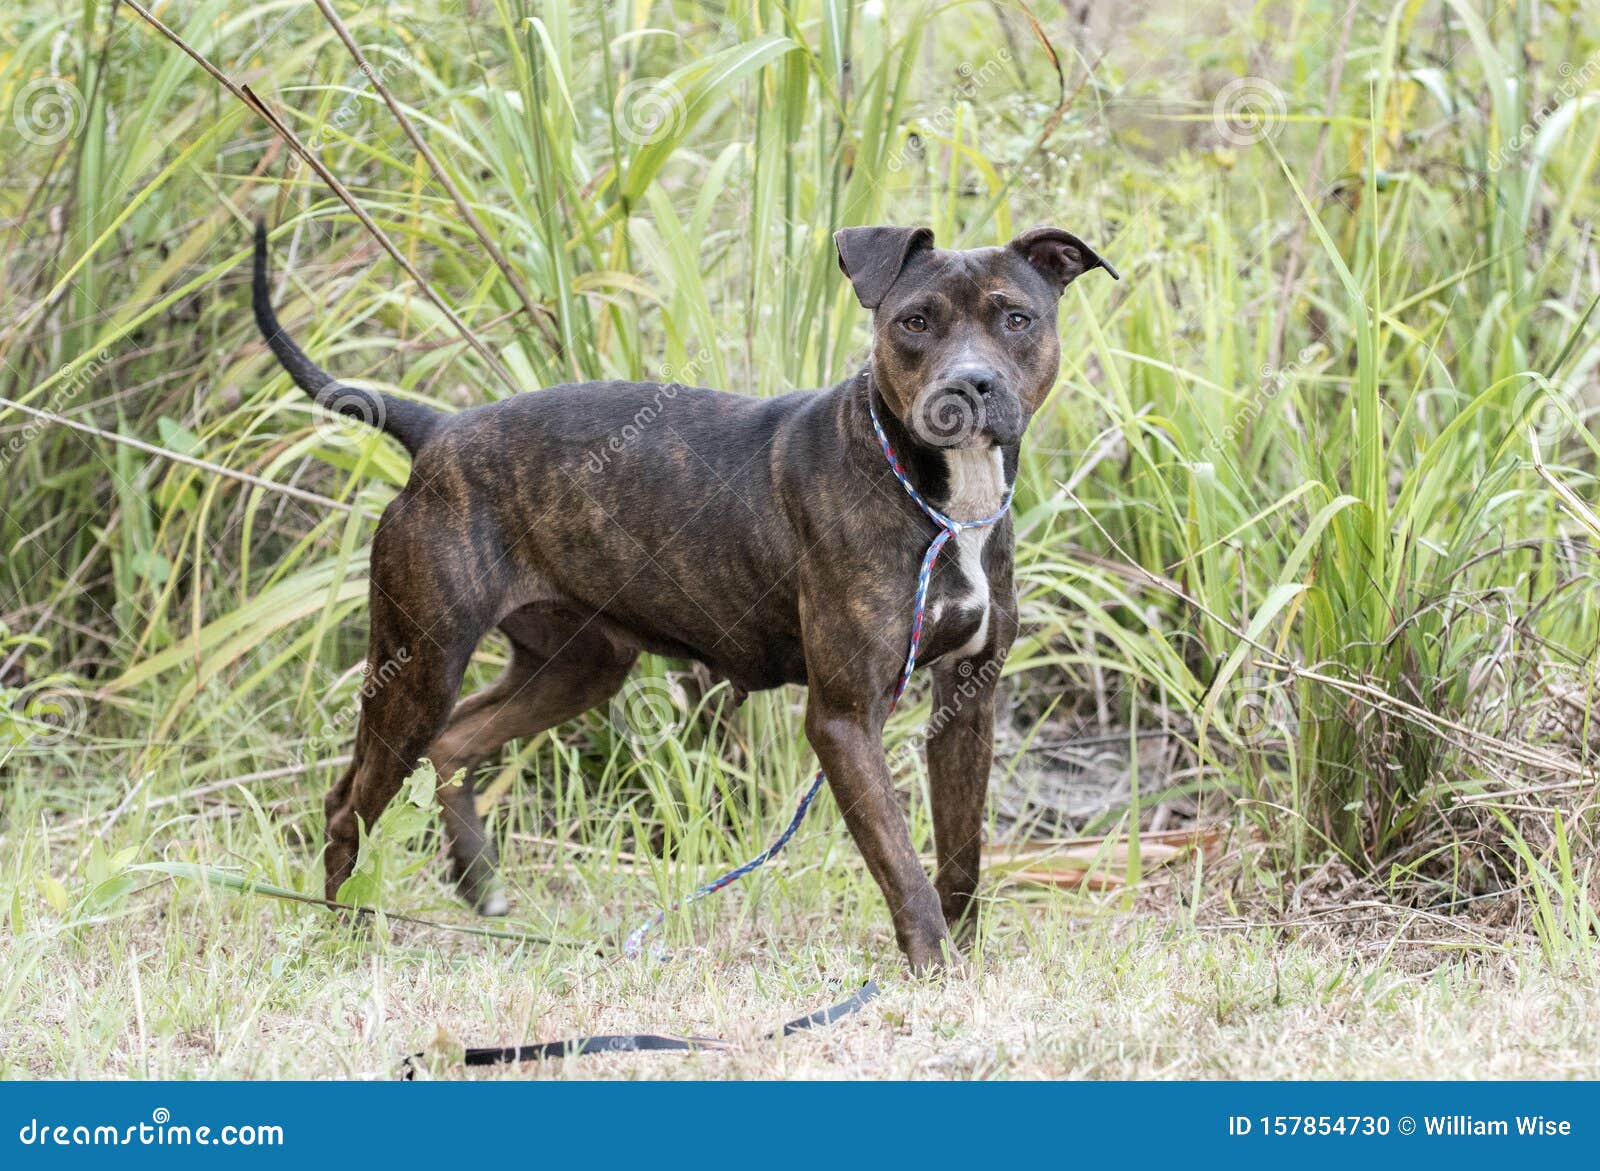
x=764, y=538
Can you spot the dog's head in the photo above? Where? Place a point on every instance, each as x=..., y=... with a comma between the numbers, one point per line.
x=964, y=344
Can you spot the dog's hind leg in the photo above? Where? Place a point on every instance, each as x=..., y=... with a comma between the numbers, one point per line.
x=559, y=669
x=414, y=675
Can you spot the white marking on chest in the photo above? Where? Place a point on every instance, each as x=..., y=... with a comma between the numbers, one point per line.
x=977, y=487
x=977, y=483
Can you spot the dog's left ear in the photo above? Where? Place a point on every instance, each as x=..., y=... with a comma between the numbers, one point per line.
x=873, y=257
x=1059, y=257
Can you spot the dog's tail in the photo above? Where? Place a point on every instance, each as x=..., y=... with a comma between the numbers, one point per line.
x=411, y=423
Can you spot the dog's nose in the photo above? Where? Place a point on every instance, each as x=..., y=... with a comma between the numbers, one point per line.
x=981, y=379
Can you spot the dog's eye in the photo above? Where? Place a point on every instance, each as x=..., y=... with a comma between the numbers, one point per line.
x=1018, y=321
x=915, y=324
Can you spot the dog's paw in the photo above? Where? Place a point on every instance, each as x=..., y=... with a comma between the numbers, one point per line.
x=935, y=957
x=493, y=904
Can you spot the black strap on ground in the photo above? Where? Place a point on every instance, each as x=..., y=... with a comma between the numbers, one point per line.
x=645, y=1042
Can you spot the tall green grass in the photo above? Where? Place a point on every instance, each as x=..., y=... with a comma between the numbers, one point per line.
x=1337, y=578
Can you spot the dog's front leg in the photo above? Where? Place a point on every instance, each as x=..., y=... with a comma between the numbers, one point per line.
x=848, y=741
x=960, y=748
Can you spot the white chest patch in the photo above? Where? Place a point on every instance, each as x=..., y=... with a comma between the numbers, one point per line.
x=977, y=482
x=977, y=489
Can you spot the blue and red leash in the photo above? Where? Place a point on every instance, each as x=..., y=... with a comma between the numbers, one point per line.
x=948, y=529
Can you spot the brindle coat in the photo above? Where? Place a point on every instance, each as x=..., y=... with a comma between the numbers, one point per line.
x=765, y=538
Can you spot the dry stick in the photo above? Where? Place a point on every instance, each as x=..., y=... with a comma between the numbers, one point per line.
x=537, y=313
x=249, y=98
x=216, y=786
x=204, y=465
x=111, y=819
x=1065, y=101
x=1374, y=697
x=248, y=886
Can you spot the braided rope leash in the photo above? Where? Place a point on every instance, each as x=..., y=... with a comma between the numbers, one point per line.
x=948, y=528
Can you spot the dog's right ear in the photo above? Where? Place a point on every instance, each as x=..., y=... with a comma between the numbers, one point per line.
x=873, y=257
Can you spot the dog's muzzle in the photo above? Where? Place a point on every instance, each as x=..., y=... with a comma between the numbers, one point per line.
x=969, y=407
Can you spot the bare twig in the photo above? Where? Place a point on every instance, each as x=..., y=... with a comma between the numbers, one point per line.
x=538, y=313
x=270, y=774
x=249, y=98
x=301, y=494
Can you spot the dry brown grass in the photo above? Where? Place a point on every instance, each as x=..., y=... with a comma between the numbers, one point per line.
x=203, y=986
